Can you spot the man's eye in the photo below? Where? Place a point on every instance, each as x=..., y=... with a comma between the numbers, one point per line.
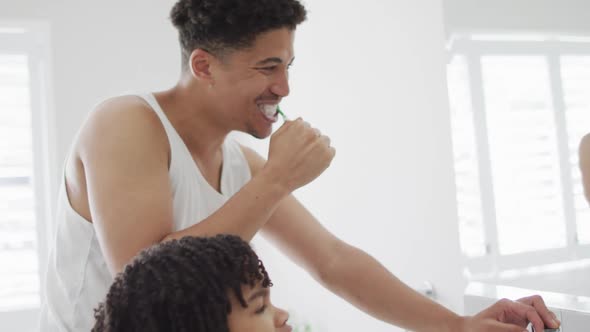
x=271, y=68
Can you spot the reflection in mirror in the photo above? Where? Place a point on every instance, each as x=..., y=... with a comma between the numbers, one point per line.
x=519, y=89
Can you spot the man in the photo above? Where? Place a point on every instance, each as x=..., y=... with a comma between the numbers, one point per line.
x=197, y=284
x=148, y=169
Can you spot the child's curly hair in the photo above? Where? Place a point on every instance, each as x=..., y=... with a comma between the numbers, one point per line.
x=181, y=285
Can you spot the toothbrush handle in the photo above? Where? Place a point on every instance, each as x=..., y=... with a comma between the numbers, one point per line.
x=285, y=118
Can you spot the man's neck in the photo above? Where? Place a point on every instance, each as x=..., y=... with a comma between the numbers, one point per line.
x=193, y=119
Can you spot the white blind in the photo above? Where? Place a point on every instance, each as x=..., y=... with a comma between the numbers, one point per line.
x=473, y=242
x=524, y=153
x=19, y=280
x=575, y=72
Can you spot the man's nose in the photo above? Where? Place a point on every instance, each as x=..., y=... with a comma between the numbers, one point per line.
x=281, y=85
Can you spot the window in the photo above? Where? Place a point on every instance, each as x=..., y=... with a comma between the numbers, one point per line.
x=24, y=165
x=19, y=279
x=519, y=108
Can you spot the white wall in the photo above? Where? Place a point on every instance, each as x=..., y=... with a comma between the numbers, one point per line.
x=99, y=50
x=370, y=74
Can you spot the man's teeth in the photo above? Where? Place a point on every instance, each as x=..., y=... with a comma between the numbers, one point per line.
x=269, y=110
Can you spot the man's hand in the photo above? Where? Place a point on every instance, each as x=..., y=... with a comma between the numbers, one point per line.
x=512, y=316
x=298, y=153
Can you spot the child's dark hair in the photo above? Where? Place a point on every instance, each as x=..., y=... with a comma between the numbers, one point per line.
x=181, y=285
x=218, y=26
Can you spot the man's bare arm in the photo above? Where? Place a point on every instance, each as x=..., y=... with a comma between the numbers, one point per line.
x=124, y=153
x=376, y=291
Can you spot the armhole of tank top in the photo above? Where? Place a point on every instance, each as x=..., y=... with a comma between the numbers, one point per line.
x=150, y=100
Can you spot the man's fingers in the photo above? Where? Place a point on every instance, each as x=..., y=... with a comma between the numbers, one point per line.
x=537, y=302
x=529, y=312
x=287, y=124
x=492, y=325
x=503, y=327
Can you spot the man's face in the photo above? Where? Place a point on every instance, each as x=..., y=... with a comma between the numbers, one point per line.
x=249, y=80
x=259, y=316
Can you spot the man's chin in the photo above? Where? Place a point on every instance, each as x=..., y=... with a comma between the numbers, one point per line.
x=260, y=134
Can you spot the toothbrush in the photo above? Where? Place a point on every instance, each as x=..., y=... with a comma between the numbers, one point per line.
x=285, y=118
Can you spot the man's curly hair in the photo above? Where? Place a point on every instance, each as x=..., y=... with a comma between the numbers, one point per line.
x=180, y=286
x=218, y=26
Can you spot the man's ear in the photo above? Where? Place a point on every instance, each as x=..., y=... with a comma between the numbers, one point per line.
x=200, y=63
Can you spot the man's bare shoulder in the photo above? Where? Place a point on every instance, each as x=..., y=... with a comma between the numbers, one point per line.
x=125, y=121
x=119, y=133
x=126, y=113
x=584, y=156
x=585, y=144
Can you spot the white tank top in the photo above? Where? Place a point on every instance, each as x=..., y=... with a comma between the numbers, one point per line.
x=77, y=276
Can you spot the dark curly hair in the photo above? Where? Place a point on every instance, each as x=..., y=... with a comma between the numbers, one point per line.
x=181, y=286
x=218, y=26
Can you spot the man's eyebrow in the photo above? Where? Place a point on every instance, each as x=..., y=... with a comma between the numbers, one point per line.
x=259, y=293
x=273, y=60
